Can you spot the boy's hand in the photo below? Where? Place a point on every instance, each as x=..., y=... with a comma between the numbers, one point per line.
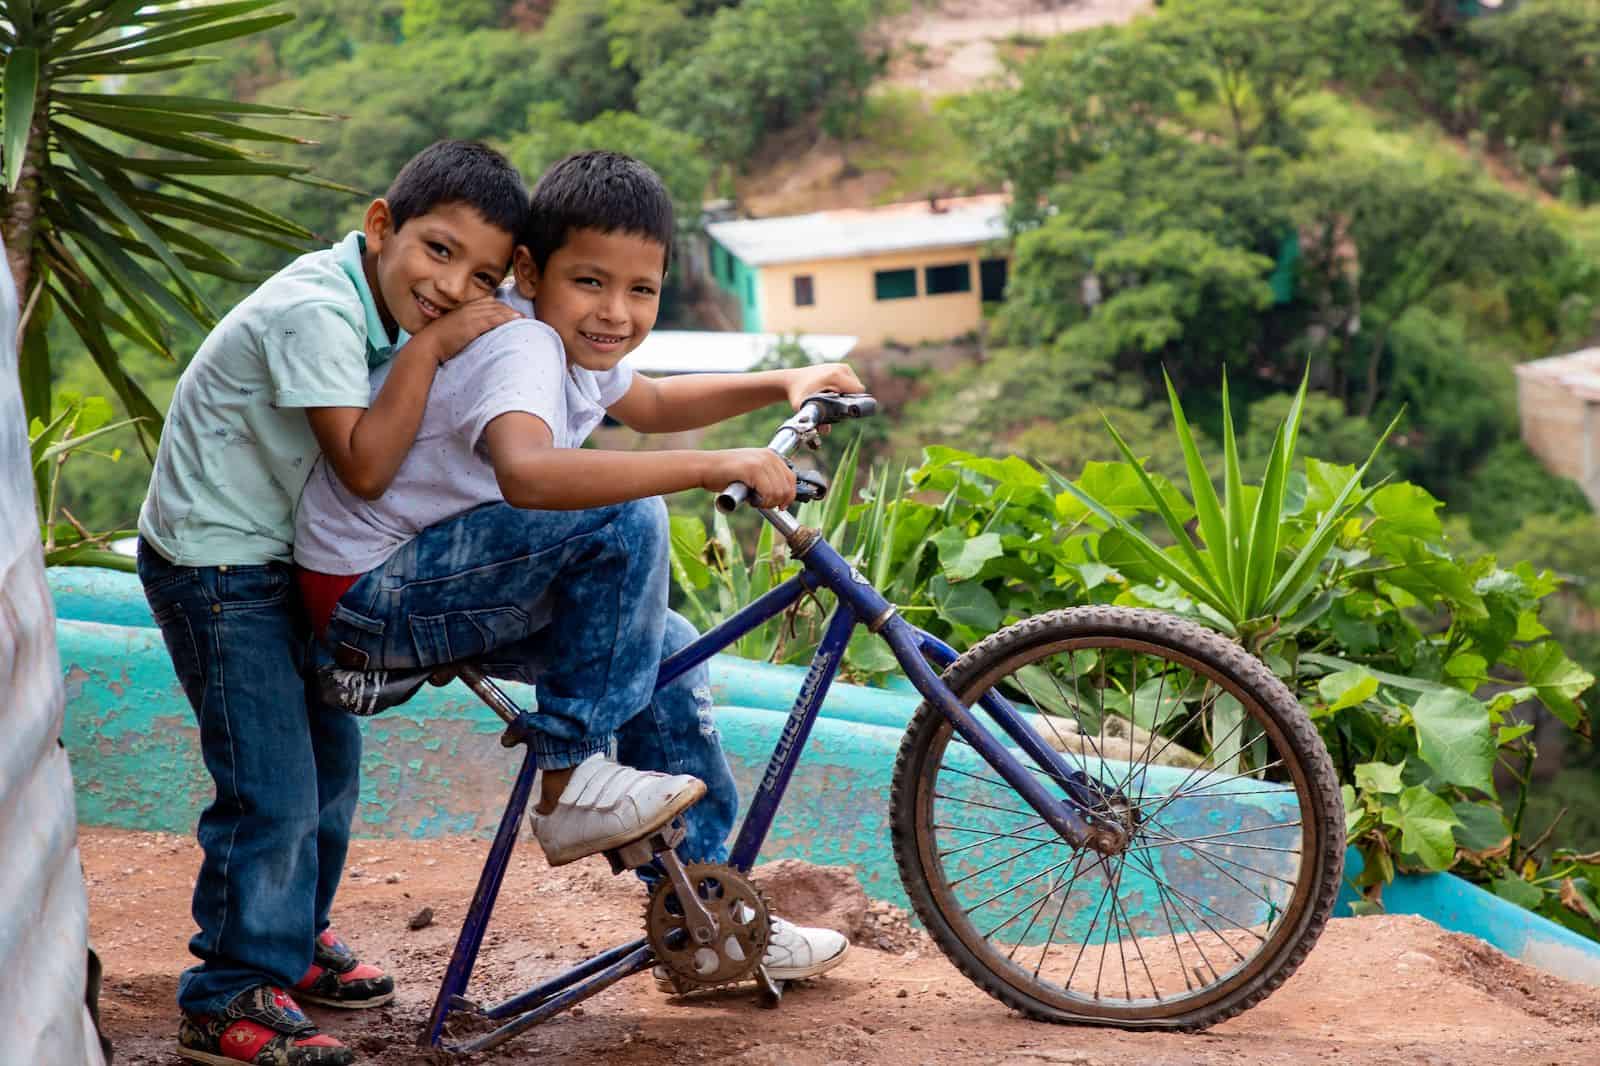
x=454, y=330
x=828, y=377
x=769, y=478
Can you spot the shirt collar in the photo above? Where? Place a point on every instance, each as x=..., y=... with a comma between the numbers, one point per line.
x=350, y=252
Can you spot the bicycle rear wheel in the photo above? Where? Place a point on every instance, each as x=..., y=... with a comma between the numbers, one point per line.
x=1236, y=828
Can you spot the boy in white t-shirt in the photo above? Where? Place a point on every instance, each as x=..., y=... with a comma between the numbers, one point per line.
x=502, y=540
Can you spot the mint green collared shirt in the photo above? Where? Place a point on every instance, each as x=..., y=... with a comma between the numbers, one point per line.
x=237, y=447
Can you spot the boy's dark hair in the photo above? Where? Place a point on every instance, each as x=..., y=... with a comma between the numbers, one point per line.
x=604, y=191
x=460, y=172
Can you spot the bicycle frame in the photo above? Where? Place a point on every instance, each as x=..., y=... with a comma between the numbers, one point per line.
x=919, y=654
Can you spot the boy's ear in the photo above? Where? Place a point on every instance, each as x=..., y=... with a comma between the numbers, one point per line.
x=377, y=225
x=525, y=271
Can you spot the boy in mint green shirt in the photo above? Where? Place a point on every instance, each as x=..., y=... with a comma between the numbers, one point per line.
x=281, y=379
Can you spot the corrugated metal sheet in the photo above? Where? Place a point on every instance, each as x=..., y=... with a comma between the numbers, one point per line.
x=44, y=925
x=672, y=351
x=850, y=234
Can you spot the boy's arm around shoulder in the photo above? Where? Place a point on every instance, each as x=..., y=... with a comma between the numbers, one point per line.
x=690, y=401
x=365, y=446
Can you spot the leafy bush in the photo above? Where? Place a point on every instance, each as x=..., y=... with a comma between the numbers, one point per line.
x=1412, y=662
x=1509, y=486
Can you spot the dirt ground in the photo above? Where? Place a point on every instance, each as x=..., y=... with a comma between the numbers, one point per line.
x=951, y=47
x=1391, y=990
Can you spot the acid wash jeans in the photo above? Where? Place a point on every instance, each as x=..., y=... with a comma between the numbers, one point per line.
x=574, y=602
x=287, y=773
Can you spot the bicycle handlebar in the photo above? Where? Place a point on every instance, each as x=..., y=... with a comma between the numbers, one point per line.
x=819, y=409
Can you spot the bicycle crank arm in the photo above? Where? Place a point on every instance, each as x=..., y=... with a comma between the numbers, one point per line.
x=701, y=925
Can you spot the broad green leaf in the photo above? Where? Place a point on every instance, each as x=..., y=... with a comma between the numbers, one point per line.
x=1518, y=891
x=1483, y=827
x=868, y=653
x=1557, y=680
x=1347, y=688
x=688, y=548
x=1454, y=738
x=1405, y=510
x=961, y=556
x=968, y=603
x=1354, y=812
x=21, y=93
x=1425, y=822
x=1324, y=484
x=1261, y=554
x=1510, y=734
x=1380, y=777
x=1156, y=701
x=1118, y=488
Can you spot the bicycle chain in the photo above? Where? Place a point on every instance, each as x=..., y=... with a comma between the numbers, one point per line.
x=744, y=928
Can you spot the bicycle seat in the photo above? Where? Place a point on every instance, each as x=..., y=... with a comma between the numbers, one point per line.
x=366, y=692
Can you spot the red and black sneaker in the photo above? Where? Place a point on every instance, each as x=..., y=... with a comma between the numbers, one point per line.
x=262, y=1026
x=338, y=979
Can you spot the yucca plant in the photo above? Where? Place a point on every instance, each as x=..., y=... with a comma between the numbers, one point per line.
x=1248, y=571
x=107, y=193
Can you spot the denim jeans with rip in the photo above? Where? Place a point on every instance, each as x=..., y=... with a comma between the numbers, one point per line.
x=573, y=602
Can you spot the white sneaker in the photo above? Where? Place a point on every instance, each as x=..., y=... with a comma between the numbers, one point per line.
x=607, y=805
x=794, y=953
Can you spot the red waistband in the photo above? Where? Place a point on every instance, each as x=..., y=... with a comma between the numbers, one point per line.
x=320, y=593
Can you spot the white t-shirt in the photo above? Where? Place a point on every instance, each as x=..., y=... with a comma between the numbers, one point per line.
x=519, y=366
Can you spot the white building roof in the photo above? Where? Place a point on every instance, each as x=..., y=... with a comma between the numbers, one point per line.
x=851, y=234
x=669, y=351
x=1578, y=372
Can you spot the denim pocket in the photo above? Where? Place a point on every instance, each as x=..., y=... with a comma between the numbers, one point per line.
x=178, y=634
x=255, y=585
x=458, y=635
x=356, y=620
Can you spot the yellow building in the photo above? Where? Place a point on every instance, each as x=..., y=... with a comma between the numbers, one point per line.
x=904, y=272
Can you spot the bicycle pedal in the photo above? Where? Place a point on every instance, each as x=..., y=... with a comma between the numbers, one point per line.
x=769, y=993
x=639, y=852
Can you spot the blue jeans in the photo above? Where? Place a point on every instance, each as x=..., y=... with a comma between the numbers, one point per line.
x=574, y=602
x=287, y=774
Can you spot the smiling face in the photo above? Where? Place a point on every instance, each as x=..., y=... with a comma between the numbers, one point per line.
x=600, y=291
x=434, y=263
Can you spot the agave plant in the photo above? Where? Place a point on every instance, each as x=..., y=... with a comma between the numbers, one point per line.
x=107, y=193
x=1248, y=570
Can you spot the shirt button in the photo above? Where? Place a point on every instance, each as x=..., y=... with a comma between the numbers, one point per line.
x=223, y=568
x=216, y=608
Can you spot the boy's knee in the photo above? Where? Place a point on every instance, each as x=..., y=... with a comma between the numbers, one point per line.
x=645, y=523
x=678, y=632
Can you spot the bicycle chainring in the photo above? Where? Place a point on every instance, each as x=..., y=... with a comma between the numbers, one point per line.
x=743, y=927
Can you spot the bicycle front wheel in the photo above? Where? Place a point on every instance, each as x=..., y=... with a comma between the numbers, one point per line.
x=1228, y=798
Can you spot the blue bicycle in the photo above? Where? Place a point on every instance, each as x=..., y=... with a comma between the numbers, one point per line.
x=1102, y=815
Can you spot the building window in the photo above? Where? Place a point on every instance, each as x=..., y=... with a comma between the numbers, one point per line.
x=992, y=280
x=894, y=284
x=952, y=277
x=805, y=293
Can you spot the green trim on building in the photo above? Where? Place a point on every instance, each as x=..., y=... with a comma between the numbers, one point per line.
x=740, y=281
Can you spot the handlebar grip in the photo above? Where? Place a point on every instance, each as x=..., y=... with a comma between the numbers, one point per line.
x=729, y=499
